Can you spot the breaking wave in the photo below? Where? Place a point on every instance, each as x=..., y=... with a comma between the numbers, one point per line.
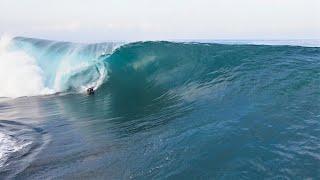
x=30, y=67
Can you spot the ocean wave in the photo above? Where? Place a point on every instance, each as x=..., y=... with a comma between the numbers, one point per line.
x=238, y=110
x=32, y=67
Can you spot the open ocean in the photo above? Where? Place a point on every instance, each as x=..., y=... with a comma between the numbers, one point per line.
x=161, y=110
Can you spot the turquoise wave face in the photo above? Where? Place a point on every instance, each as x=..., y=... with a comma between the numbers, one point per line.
x=207, y=69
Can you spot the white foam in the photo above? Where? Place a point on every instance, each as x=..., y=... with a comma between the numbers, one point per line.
x=9, y=146
x=19, y=73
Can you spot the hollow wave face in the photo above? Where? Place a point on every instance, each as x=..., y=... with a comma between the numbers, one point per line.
x=31, y=67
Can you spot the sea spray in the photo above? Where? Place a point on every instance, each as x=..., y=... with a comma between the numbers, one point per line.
x=19, y=73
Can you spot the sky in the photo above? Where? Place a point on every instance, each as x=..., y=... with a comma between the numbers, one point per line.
x=109, y=20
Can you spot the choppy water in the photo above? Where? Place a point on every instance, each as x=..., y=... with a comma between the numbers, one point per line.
x=161, y=110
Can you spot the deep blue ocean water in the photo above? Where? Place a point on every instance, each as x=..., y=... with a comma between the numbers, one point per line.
x=161, y=110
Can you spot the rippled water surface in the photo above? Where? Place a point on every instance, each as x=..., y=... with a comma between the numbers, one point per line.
x=173, y=111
